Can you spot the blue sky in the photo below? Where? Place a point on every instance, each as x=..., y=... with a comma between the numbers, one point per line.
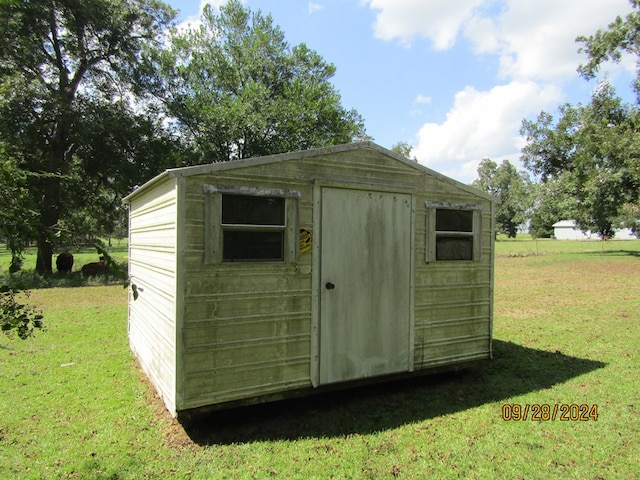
x=453, y=78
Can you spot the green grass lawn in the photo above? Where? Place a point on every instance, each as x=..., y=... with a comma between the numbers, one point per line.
x=75, y=405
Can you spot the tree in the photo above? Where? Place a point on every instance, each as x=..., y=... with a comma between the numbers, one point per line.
x=630, y=218
x=591, y=155
x=621, y=36
x=66, y=68
x=512, y=188
x=404, y=149
x=17, y=214
x=121, y=148
x=550, y=204
x=236, y=89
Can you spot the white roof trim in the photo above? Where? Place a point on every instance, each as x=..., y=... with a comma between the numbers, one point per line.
x=565, y=224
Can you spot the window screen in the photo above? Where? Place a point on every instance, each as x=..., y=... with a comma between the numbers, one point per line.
x=253, y=228
x=452, y=233
x=251, y=245
x=454, y=220
x=454, y=248
x=248, y=210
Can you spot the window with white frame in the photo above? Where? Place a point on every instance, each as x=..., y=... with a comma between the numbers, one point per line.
x=245, y=224
x=453, y=232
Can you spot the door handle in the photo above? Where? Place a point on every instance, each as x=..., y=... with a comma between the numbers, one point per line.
x=329, y=286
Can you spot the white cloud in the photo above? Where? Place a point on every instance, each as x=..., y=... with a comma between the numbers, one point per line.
x=534, y=40
x=480, y=125
x=314, y=7
x=405, y=19
x=537, y=39
x=482, y=32
x=420, y=100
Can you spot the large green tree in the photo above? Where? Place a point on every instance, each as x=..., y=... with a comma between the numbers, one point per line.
x=236, y=89
x=591, y=155
x=66, y=110
x=511, y=187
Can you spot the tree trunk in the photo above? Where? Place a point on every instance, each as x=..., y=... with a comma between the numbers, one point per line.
x=51, y=200
x=44, y=262
x=49, y=216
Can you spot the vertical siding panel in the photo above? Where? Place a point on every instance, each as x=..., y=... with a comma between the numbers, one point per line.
x=180, y=248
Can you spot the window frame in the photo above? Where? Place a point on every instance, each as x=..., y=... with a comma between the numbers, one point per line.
x=214, y=228
x=432, y=234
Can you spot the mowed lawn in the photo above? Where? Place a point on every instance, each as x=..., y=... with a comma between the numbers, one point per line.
x=73, y=403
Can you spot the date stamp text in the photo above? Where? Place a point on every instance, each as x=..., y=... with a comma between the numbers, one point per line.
x=545, y=412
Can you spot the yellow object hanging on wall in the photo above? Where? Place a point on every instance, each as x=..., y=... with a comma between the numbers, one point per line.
x=305, y=241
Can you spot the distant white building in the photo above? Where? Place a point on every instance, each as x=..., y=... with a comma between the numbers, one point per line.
x=568, y=230
x=625, y=234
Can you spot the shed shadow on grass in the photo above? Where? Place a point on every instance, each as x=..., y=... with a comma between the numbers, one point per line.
x=514, y=370
x=616, y=253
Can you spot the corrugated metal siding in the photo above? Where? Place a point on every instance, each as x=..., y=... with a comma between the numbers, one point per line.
x=152, y=266
x=247, y=327
x=453, y=300
x=246, y=332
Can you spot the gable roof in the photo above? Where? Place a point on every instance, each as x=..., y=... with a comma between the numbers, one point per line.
x=210, y=168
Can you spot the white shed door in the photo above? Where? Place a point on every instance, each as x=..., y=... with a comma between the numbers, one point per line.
x=366, y=281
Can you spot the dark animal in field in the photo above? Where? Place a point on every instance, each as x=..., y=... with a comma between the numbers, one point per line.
x=95, y=268
x=64, y=262
x=15, y=265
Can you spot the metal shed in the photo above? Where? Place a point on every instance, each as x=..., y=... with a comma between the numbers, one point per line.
x=283, y=275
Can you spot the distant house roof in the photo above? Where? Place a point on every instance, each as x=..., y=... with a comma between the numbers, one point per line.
x=565, y=224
